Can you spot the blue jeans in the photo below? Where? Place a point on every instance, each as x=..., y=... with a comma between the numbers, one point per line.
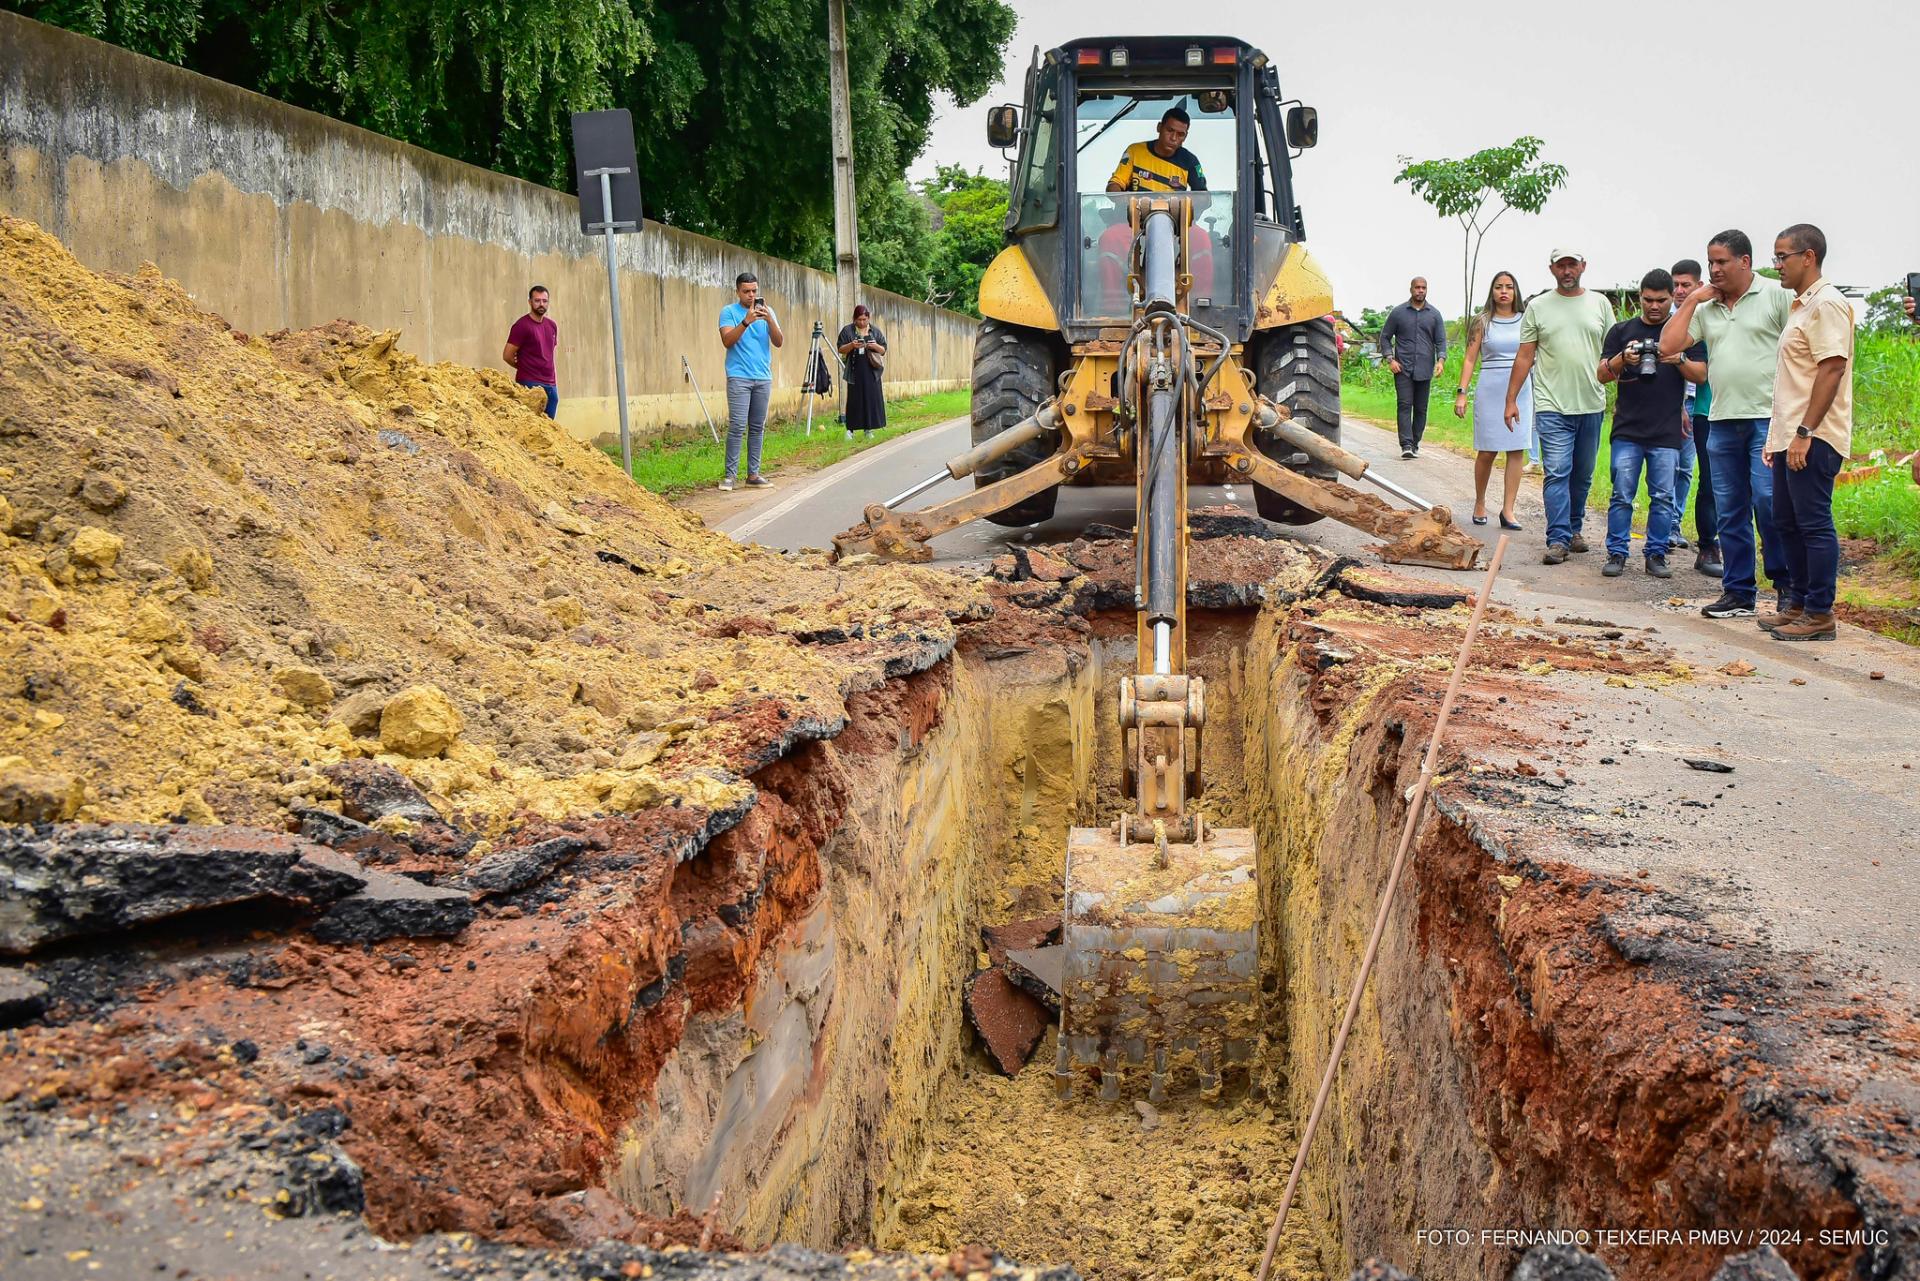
x=1803, y=513
x=1662, y=514
x=746, y=417
x=1706, y=516
x=1569, y=444
x=1743, y=497
x=553, y=395
x=1682, y=479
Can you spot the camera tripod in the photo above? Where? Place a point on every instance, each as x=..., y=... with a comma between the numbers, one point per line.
x=816, y=366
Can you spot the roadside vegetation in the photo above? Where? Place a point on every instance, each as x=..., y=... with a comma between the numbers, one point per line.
x=680, y=464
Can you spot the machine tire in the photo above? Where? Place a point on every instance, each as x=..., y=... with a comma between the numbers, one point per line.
x=1013, y=376
x=1298, y=366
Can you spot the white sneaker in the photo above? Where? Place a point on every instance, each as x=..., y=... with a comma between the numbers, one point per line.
x=759, y=482
x=849, y=433
x=726, y=485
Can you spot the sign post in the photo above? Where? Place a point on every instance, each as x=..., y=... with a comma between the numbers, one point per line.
x=607, y=174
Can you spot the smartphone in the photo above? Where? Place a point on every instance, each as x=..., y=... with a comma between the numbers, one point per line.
x=1913, y=284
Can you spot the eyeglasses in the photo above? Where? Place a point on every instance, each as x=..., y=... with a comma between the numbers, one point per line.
x=1795, y=253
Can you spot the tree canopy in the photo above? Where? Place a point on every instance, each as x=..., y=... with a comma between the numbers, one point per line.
x=1478, y=189
x=729, y=97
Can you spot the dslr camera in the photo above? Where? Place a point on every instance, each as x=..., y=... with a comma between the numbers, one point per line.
x=1647, y=353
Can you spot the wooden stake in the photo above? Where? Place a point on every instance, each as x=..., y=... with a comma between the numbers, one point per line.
x=1414, y=807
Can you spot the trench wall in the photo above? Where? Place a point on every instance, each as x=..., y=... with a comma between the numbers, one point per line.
x=804, y=1108
x=281, y=218
x=1397, y=1150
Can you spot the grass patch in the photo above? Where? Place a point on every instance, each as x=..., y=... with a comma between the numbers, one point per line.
x=675, y=466
x=1886, y=421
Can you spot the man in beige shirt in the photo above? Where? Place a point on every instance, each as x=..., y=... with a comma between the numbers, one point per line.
x=1810, y=434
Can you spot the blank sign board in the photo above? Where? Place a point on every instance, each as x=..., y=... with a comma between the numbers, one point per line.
x=604, y=140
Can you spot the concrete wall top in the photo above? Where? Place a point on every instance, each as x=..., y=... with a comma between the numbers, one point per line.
x=279, y=217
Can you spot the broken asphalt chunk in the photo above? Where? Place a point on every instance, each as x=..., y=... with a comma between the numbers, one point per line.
x=22, y=997
x=1560, y=1263
x=390, y=906
x=1711, y=767
x=505, y=871
x=89, y=878
x=1764, y=1264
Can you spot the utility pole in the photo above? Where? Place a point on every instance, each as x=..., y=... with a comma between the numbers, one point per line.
x=846, y=222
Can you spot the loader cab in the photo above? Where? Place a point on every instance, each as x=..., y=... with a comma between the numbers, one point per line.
x=1090, y=100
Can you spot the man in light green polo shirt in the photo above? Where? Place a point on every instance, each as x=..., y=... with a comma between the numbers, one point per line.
x=1740, y=316
x=1560, y=337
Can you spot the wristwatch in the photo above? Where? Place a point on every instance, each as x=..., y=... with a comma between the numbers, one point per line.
x=1803, y=431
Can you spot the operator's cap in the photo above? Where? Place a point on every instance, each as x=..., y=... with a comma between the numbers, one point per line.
x=1558, y=254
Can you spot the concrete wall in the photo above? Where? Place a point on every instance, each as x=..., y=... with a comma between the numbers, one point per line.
x=280, y=218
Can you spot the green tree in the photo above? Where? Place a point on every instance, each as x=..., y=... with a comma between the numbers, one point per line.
x=1478, y=190
x=729, y=96
x=1884, y=314
x=973, y=221
x=896, y=241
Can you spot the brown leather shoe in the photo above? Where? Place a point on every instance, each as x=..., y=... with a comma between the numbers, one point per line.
x=1807, y=627
x=1779, y=617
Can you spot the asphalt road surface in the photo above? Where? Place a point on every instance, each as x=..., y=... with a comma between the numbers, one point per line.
x=808, y=511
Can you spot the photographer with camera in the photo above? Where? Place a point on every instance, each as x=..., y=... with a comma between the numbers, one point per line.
x=749, y=332
x=864, y=349
x=1646, y=424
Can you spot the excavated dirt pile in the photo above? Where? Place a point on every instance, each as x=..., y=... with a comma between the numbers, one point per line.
x=309, y=645
x=232, y=562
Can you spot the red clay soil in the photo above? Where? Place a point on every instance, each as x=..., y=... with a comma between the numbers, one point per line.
x=1633, y=1067
x=1640, y=1072
x=485, y=1076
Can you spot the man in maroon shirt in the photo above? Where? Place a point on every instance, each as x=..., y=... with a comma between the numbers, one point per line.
x=529, y=349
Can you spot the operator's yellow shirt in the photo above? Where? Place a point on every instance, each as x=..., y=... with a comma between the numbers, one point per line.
x=1141, y=169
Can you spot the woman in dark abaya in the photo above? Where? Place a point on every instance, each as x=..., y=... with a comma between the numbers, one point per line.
x=864, y=348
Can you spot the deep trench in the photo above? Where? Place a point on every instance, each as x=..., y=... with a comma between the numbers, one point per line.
x=903, y=1136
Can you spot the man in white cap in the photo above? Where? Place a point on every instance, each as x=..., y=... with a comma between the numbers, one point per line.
x=1560, y=338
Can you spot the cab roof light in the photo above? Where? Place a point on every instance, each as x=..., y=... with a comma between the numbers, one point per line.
x=1225, y=56
x=1196, y=56
x=1088, y=57
x=1119, y=58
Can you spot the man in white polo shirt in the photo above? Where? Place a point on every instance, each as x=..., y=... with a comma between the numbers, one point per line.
x=1811, y=434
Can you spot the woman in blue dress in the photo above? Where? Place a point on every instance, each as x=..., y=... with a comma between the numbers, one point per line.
x=1493, y=342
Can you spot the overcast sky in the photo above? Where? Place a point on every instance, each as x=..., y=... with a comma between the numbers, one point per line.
x=1676, y=120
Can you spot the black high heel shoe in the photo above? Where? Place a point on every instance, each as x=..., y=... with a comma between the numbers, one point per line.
x=1509, y=524
x=1479, y=520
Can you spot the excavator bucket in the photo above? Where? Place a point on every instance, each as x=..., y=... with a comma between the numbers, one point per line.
x=1160, y=980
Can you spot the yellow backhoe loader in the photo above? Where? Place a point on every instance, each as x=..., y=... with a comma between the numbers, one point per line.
x=1150, y=327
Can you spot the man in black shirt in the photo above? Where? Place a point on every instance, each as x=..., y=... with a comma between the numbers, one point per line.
x=1414, y=342
x=1647, y=424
